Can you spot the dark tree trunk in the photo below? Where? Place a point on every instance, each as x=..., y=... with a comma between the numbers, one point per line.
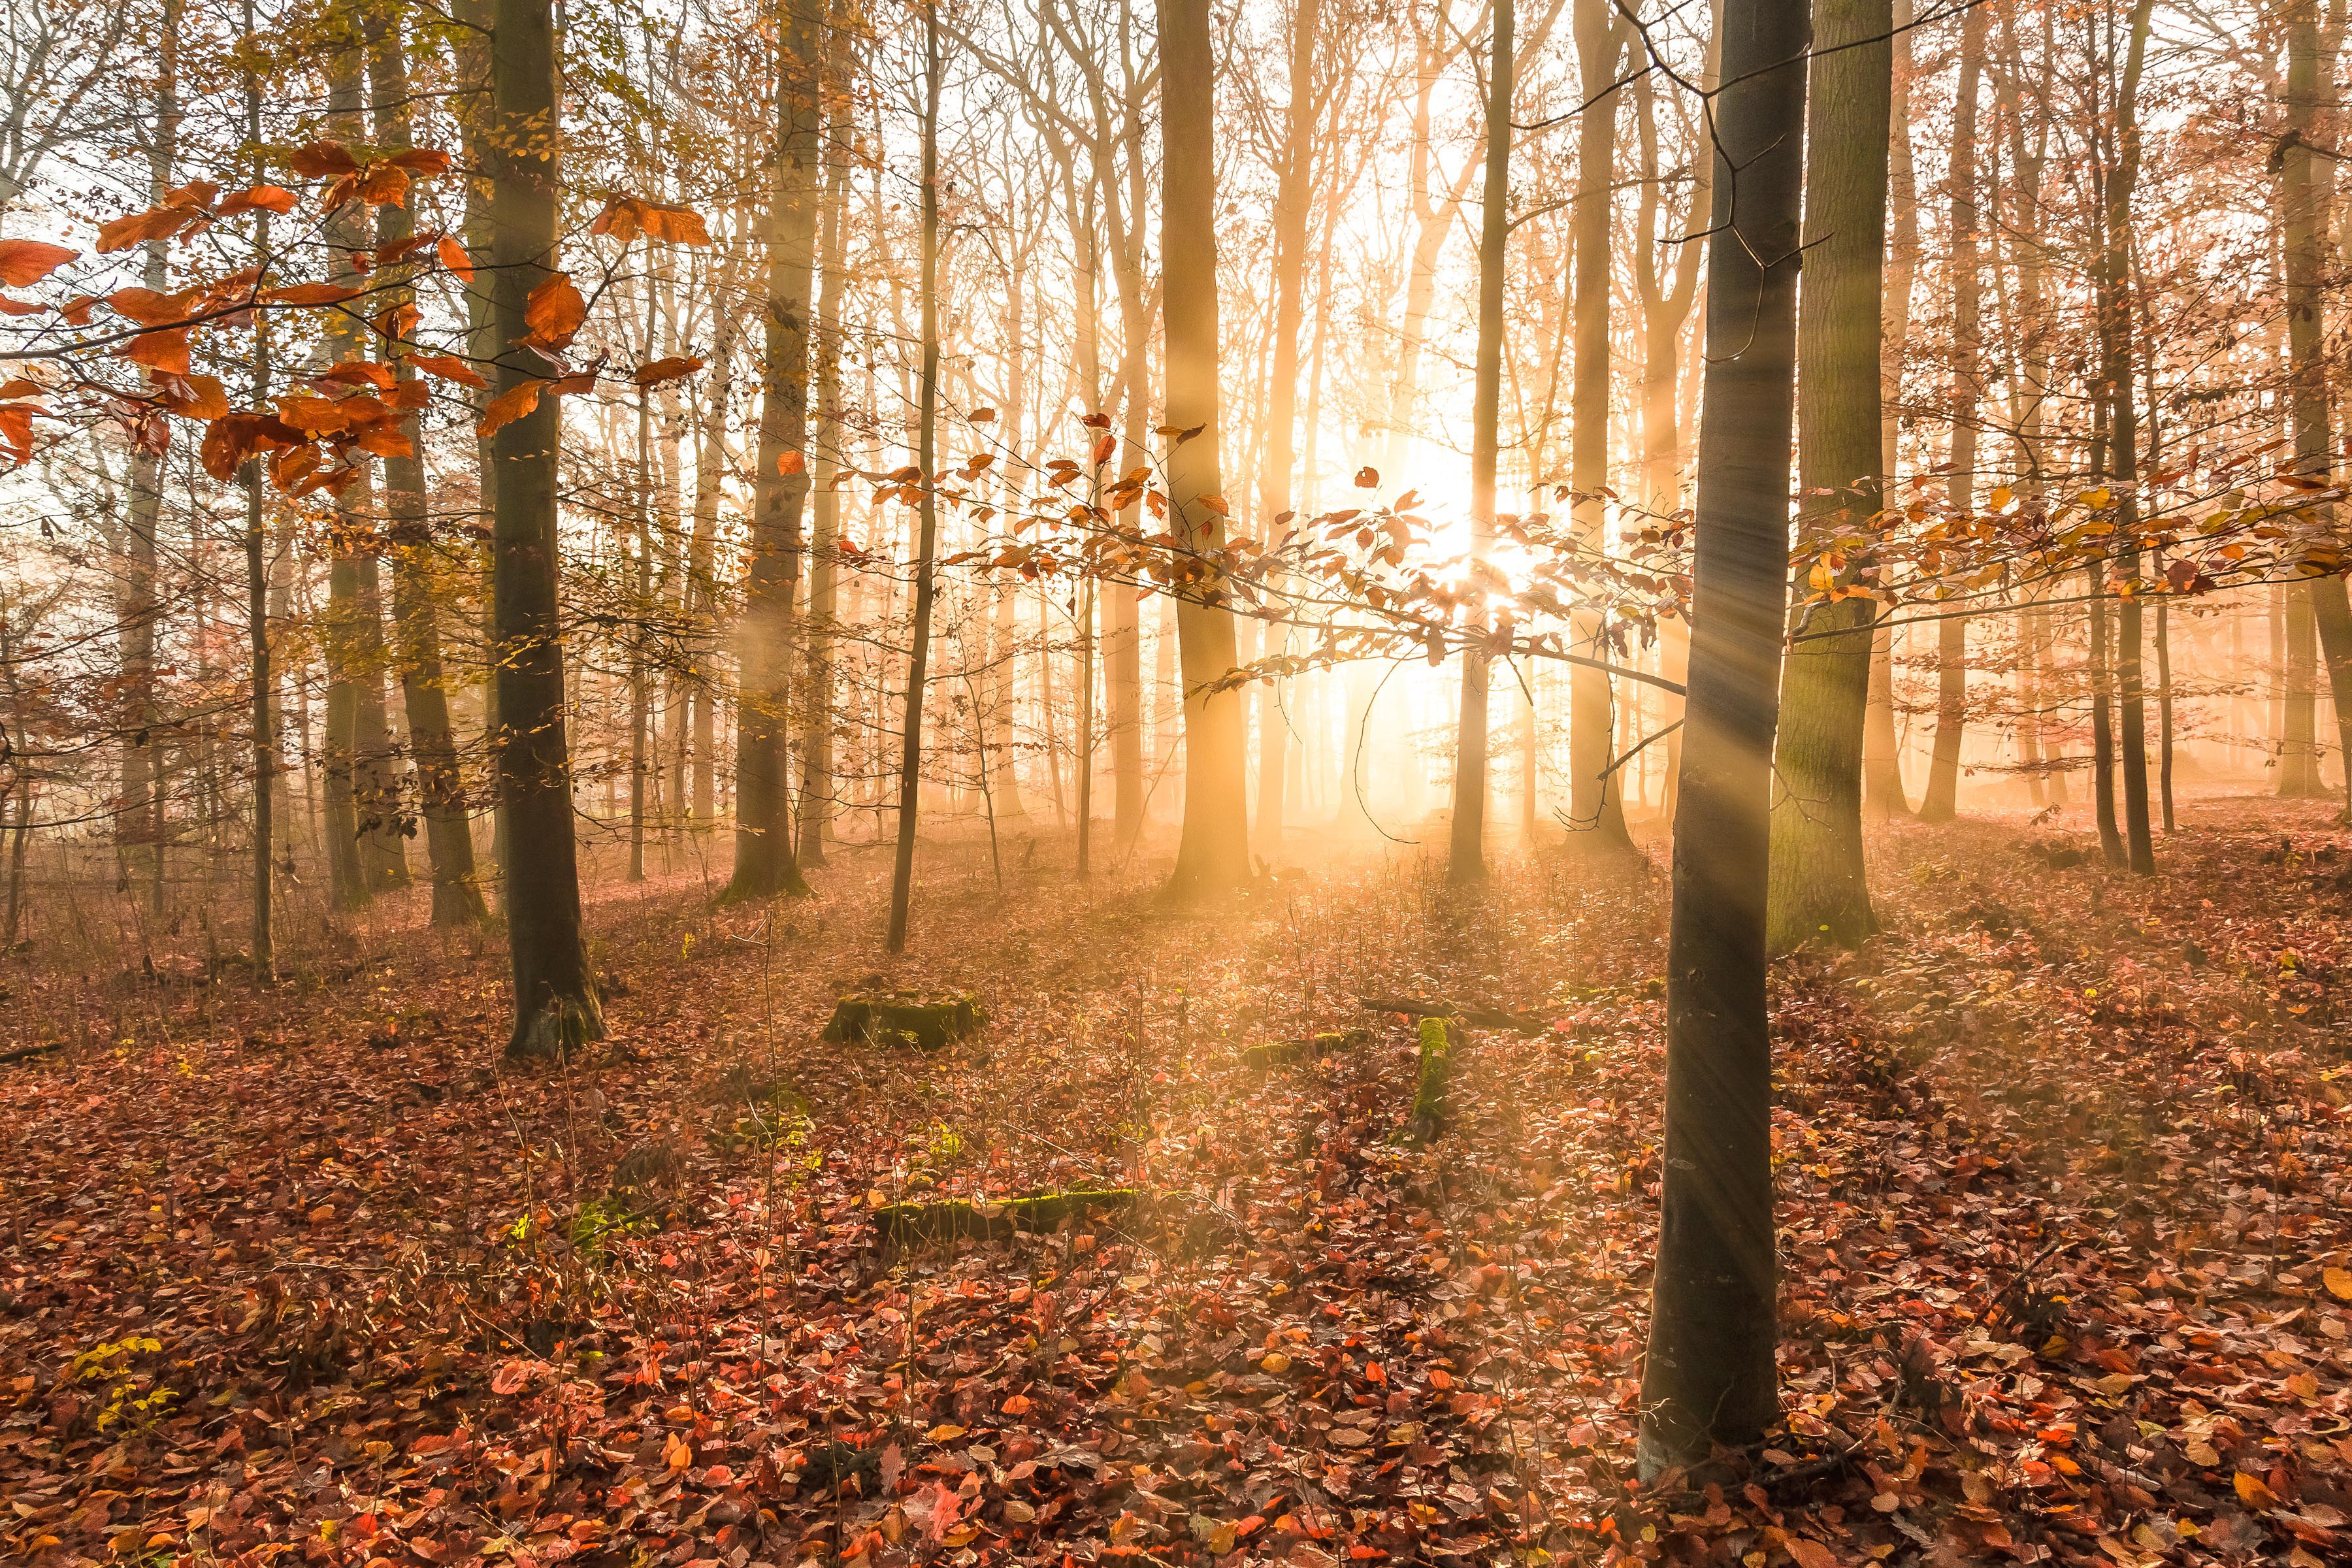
x=1709, y=1378
x=555, y=1001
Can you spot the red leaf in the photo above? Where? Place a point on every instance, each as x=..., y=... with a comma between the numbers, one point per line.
x=16, y=432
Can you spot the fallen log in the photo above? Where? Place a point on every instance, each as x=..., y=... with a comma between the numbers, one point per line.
x=950, y=1218
x=1282, y=1053
x=1468, y=1013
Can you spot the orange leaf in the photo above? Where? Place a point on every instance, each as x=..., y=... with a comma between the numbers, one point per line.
x=194, y=193
x=267, y=198
x=509, y=406
x=384, y=185
x=554, y=312
x=448, y=368
x=398, y=322
x=323, y=160
x=234, y=437
x=17, y=386
x=662, y=370
x=358, y=372
x=386, y=441
x=402, y=249
x=625, y=217
x=310, y=294
x=453, y=256
x=149, y=309
x=166, y=351
x=422, y=160
x=1810, y=1554
x=137, y=229
x=19, y=307
x=16, y=432
x=408, y=396
x=790, y=463
x=2254, y=1491
x=194, y=397
x=1104, y=448
x=24, y=262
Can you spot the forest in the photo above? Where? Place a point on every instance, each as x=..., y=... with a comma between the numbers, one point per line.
x=888, y=782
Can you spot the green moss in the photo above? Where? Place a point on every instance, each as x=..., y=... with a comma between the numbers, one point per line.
x=1282, y=1053
x=1437, y=1042
x=900, y=1019
x=903, y=1223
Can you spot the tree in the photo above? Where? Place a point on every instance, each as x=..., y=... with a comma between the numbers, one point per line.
x=764, y=862
x=555, y=1001
x=1818, y=881
x=1709, y=1378
x=1213, y=852
x=1466, y=861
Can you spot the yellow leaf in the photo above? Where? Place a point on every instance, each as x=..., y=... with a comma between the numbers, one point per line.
x=945, y=1434
x=2001, y=495
x=1277, y=1364
x=2339, y=1283
x=2253, y=1492
x=2200, y=1452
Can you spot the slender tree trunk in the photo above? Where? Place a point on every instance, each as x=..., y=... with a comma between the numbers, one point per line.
x=2103, y=727
x=825, y=502
x=1595, y=806
x=2116, y=334
x=910, y=758
x=1941, y=800
x=1819, y=887
x=765, y=863
x=257, y=609
x=1710, y=1377
x=556, y=1005
x=1467, y=858
x=1213, y=853
x=1882, y=766
x=432, y=740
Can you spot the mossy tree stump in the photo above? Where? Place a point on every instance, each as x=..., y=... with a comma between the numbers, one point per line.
x=901, y=1018
x=1438, y=1038
x=908, y=1224
x=1315, y=1048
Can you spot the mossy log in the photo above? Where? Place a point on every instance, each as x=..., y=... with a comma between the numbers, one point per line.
x=1282, y=1053
x=950, y=1218
x=1438, y=1039
x=1469, y=1013
x=902, y=1019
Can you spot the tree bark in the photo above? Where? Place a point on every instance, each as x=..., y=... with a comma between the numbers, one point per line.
x=432, y=740
x=1710, y=1377
x=555, y=1001
x=1882, y=769
x=1213, y=851
x=1466, y=859
x=825, y=502
x=1818, y=887
x=764, y=862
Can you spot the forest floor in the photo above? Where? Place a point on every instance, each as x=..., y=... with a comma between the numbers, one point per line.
x=2062, y=1190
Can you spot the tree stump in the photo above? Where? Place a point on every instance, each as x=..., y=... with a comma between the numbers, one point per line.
x=900, y=1019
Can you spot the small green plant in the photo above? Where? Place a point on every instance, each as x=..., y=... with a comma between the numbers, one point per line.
x=774, y=1119
x=945, y=1146
x=600, y=1219
x=109, y=1362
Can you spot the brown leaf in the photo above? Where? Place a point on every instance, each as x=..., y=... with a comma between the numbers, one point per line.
x=664, y=369
x=448, y=368
x=384, y=185
x=138, y=228
x=422, y=160
x=264, y=198
x=194, y=397
x=509, y=406
x=554, y=312
x=165, y=351
x=453, y=256
x=234, y=437
x=323, y=160
x=310, y=294
x=150, y=308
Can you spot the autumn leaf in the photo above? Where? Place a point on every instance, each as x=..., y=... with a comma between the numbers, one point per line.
x=1368, y=479
x=150, y=308
x=138, y=228
x=24, y=262
x=261, y=198
x=313, y=416
x=357, y=373
x=625, y=217
x=510, y=1377
x=310, y=294
x=234, y=437
x=16, y=432
x=453, y=256
x=200, y=397
x=448, y=368
x=554, y=312
x=323, y=160
x=160, y=351
x=1104, y=448
x=384, y=185
x=666, y=370
x=2339, y=1283
x=194, y=193
x=1810, y=1554
x=425, y=161
x=790, y=463
x=19, y=307
x=2254, y=1491
x=509, y=406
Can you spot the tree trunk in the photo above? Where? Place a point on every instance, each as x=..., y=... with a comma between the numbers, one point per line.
x=1819, y=887
x=1213, y=852
x=1466, y=859
x=2115, y=331
x=1882, y=766
x=911, y=759
x=1595, y=807
x=1709, y=1378
x=765, y=863
x=432, y=742
x=1941, y=801
x=555, y=1001
x=825, y=501
x=2103, y=728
